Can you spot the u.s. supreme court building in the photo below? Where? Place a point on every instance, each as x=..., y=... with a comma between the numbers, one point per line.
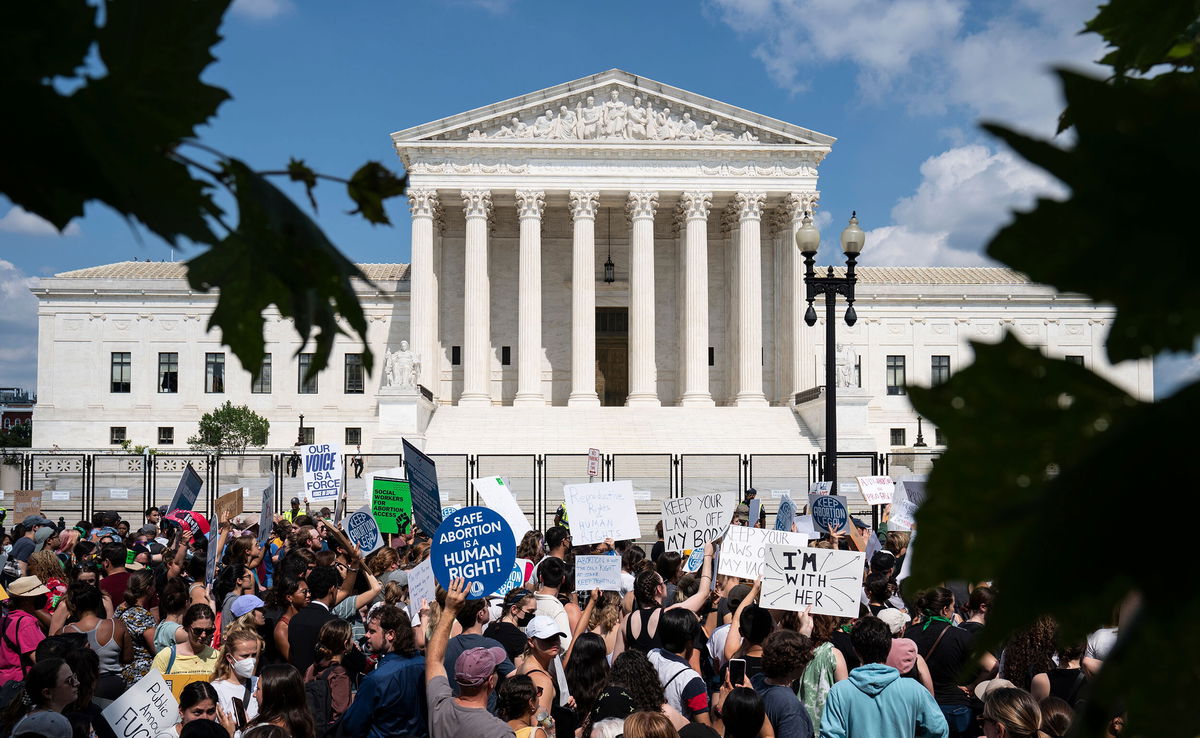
x=605, y=263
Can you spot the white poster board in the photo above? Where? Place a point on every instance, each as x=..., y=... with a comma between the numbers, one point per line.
x=495, y=493
x=744, y=549
x=820, y=488
x=798, y=577
x=692, y=521
x=877, y=490
x=421, y=587
x=146, y=709
x=598, y=572
x=322, y=464
x=601, y=510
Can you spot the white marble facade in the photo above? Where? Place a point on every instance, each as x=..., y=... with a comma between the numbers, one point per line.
x=515, y=208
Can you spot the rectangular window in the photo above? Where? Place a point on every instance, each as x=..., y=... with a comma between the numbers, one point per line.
x=456, y=356
x=712, y=356
x=306, y=386
x=214, y=373
x=1075, y=360
x=939, y=370
x=262, y=385
x=353, y=436
x=895, y=375
x=898, y=437
x=116, y=434
x=168, y=372
x=122, y=370
x=308, y=436
x=938, y=438
x=506, y=355
x=166, y=436
x=354, y=375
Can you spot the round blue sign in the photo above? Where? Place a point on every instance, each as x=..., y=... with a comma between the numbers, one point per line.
x=476, y=544
x=363, y=531
x=828, y=511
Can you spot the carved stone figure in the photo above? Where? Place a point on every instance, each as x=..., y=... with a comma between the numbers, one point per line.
x=518, y=129
x=687, y=128
x=614, y=115
x=845, y=365
x=402, y=368
x=565, y=125
x=639, y=120
x=664, y=127
x=543, y=127
x=590, y=119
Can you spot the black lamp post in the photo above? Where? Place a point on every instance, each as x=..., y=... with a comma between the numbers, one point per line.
x=920, y=435
x=300, y=432
x=807, y=240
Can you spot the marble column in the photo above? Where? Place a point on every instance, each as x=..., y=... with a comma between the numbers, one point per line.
x=530, y=206
x=801, y=346
x=583, y=300
x=696, y=206
x=477, y=350
x=643, y=379
x=749, y=258
x=423, y=204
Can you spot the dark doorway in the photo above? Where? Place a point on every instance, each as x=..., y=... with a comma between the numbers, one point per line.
x=612, y=355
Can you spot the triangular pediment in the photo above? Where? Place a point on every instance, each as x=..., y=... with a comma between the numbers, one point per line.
x=612, y=107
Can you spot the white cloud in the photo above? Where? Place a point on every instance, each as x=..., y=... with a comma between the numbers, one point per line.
x=20, y=220
x=965, y=195
x=261, y=9
x=18, y=329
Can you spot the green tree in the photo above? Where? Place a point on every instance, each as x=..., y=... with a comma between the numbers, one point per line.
x=230, y=429
x=18, y=435
x=1056, y=484
x=105, y=97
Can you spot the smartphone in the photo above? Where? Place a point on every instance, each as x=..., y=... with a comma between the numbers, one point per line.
x=239, y=712
x=737, y=671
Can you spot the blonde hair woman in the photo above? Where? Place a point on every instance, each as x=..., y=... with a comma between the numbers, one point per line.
x=234, y=675
x=649, y=725
x=1009, y=712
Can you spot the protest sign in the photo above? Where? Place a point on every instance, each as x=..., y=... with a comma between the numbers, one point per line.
x=476, y=544
x=692, y=521
x=695, y=561
x=797, y=577
x=755, y=512
x=26, y=502
x=499, y=496
x=593, y=465
x=598, y=572
x=827, y=511
x=599, y=511
x=363, y=530
x=192, y=523
x=210, y=565
x=906, y=566
x=230, y=505
x=322, y=472
x=391, y=504
x=266, y=520
x=421, y=587
x=114, y=493
x=447, y=510
x=912, y=490
x=786, y=515
x=743, y=550
x=804, y=524
x=903, y=516
x=426, y=497
x=187, y=490
x=148, y=708
x=877, y=490
x=516, y=578
x=820, y=488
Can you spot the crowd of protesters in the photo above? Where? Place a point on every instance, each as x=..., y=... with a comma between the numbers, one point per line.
x=302, y=636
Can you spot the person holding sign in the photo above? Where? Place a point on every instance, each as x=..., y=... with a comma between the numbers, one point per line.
x=640, y=630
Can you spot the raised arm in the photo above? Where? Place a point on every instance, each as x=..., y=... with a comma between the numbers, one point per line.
x=582, y=626
x=696, y=602
x=435, y=653
x=733, y=641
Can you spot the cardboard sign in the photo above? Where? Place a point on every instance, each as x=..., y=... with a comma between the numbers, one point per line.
x=26, y=502
x=148, y=708
x=113, y=493
x=827, y=511
x=475, y=544
x=820, y=488
x=744, y=549
x=692, y=521
x=912, y=490
x=786, y=515
x=877, y=490
x=266, y=520
x=230, y=505
x=497, y=495
x=903, y=516
x=755, y=512
x=516, y=578
x=804, y=524
x=391, y=504
x=599, y=511
x=210, y=564
x=598, y=572
x=322, y=472
x=363, y=531
x=423, y=487
x=421, y=586
x=593, y=466
x=795, y=578
x=187, y=490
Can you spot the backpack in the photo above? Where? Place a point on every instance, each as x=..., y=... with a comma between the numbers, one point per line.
x=24, y=659
x=319, y=697
x=10, y=572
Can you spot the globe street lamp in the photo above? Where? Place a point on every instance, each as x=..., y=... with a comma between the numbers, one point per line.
x=807, y=240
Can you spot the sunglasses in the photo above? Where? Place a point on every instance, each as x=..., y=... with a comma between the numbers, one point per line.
x=202, y=632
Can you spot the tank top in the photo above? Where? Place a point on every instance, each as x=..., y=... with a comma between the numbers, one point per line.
x=644, y=641
x=1065, y=684
x=109, y=653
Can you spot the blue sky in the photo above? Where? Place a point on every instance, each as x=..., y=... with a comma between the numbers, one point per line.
x=900, y=83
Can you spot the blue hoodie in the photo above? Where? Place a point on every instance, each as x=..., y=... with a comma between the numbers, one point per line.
x=876, y=701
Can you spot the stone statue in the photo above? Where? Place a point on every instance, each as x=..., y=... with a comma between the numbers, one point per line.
x=639, y=120
x=402, y=368
x=687, y=128
x=589, y=119
x=614, y=116
x=845, y=366
x=543, y=127
x=565, y=125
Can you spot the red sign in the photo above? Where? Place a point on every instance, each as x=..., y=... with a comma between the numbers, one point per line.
x=593, y=462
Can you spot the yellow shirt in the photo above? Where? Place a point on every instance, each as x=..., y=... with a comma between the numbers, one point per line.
x=186, y=669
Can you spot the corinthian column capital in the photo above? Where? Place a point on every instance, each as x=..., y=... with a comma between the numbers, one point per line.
x=750, y=204
x=584, y=203
x=696, y=205
x=422, y=202
x=531, y=203
x=641, y=204
x=477, y=203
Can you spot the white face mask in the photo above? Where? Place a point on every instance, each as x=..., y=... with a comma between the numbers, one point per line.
x=244, y=668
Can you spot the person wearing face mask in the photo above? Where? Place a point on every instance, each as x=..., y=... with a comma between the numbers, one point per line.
x=519, y=607
x=234, y=675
